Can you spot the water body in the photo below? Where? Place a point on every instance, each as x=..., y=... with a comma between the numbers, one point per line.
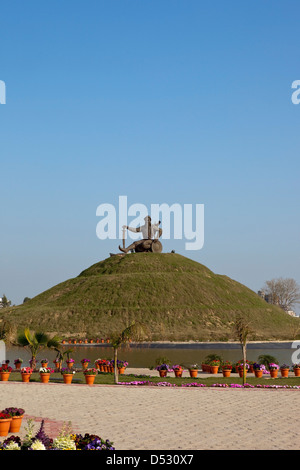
x=144, y=355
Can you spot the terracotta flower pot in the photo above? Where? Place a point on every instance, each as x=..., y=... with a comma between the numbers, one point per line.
x=44, y=364
x=5, y=376
x=258, y=373
x=90, y=379
x=226, y=372
x=274, y=373
x=4, y=426
x=18, y=365
x=85, y=365
x=68, y=378
x=70, y=364
x=45, y=376
x=57, y=365
x=251, y=369
x=284, y=372
x=297, y=371
x=25, y=377
x=193, y=373
x=15, y=424
x=214, y=369
x=178, y=373
x=121, y=370
x=162, y=373
x=241, y=372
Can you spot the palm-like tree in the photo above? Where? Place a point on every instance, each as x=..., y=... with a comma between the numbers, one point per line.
x=35, y=342
x=136, y=331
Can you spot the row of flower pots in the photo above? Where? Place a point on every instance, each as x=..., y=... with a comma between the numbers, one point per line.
x=258, y=369
x=86, y=341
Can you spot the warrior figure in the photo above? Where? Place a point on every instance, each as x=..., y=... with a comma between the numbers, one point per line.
x=151, y=233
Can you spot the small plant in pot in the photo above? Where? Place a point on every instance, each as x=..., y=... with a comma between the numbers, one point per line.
x=45, y=374
x=163, y=369
x=273, y=368
x=18, y=363
x=214, y=366
x=17, y=417
x=226, y=368
x=296, y=369
x=193, y=370
x=67, y=374
x=258, y=369
x=178, y=369
x=90, y=375
x=85, y=363
x=284, y=369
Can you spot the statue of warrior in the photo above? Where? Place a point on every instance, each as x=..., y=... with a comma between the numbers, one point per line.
x=151, y=233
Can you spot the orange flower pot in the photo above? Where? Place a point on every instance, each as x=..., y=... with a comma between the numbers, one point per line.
x=15, y=424
x=297, y=372
x=258, y=373
x=25, y=377
x=44, y=364
x=274, y=373
x=85, y=365
x=162, y=373
x=284, y=372
x=4, y=426
x=241, y=372
x=45, y=376
x=214, y=369
x=121, y=370
x=226, y=372
x=68, y=378
x=90, y=379
x=70, y=364
x=193, y=373
x=178, y=373
x=5, y=376
x=18, y=365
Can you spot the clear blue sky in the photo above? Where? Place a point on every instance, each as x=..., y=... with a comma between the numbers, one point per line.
x=163, y=101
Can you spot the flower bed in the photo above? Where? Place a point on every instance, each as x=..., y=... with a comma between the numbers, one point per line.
x=196, y=384
x=66, y=440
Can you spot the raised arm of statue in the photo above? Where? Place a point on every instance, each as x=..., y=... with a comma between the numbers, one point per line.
x=132, y=229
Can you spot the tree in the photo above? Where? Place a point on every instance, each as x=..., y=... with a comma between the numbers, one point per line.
x=283, y=292
x=7, y=332
x=136, y=331
x=35, y=342
x=5, y=302
x=242, y=331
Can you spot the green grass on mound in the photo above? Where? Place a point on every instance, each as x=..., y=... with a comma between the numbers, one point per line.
x=178, y=298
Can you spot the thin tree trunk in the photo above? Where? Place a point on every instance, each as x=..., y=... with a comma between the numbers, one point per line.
x=244, y=362
x=116, y=365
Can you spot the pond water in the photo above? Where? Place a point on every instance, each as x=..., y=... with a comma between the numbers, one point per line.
x=144, y=355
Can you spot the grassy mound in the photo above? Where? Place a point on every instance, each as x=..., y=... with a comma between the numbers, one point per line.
x=178, y=298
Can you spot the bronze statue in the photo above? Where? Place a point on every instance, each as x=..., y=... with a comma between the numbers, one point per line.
x=151, y=233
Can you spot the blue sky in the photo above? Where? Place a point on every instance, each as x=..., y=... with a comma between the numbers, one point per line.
x=163, y=101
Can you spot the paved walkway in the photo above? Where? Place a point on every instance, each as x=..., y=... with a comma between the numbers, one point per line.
x=157, y=418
